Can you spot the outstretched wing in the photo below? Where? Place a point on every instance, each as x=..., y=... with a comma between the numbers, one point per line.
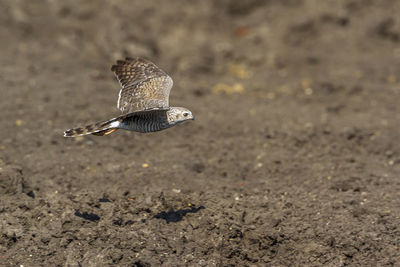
x=144, y=85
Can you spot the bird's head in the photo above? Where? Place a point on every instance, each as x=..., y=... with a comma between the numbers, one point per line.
x=177, y=115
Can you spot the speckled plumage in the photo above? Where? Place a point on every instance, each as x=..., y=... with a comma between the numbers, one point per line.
x=143, y=101
x=144, y=85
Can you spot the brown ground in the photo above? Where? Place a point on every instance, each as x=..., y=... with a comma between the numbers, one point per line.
x=294, y=157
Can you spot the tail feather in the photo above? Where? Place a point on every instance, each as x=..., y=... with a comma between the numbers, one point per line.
x=105, y=132
x=100, y=128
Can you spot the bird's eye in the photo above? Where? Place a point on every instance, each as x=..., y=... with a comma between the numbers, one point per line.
x=185, y=114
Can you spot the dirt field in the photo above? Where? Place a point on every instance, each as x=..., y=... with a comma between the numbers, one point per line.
x=293, y=159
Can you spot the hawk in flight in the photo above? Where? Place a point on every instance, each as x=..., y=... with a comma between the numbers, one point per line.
x=143, y=100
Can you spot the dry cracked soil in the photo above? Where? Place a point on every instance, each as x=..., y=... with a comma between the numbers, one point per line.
x=293, y=159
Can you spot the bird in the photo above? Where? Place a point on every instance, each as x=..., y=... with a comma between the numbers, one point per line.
x=143, y=101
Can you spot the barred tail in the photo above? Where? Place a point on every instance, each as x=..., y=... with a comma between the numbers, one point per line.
x=100, y=128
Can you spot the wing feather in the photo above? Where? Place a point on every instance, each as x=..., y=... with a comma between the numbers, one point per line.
x=144, y=85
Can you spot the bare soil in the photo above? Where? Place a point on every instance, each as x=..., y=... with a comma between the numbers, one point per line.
x=293, y=159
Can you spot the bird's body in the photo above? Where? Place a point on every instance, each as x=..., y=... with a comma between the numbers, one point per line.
x=145, y=122
x=143, y=100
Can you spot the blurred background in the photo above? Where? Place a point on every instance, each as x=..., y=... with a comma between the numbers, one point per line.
x=293, y=158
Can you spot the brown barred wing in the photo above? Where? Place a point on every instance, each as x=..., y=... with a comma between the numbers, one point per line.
x=144, y=85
